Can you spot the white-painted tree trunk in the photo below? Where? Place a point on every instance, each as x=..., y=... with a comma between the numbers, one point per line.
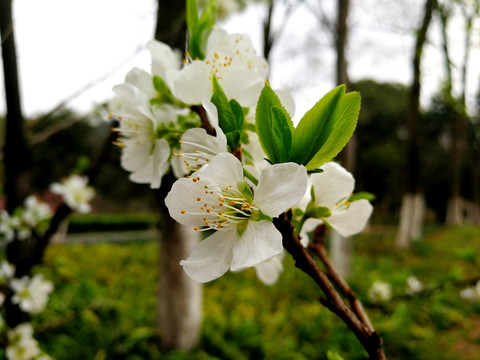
x=412, y=215
x=454, y=211
x=179, y=297
x=341, y=253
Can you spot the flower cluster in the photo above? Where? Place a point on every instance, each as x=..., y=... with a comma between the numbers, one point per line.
x=32, y=217
x=152, y=108
x=31, y=295
x=212, y=121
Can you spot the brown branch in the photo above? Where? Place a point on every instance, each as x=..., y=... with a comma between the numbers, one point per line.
x=203, y=117
x=369, y=338
x=52, y=130
x=318, y=246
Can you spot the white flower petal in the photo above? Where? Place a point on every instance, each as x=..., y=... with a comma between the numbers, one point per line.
x=135, y=157
x=280, y=187
x=224, y=169
x=333, y=184
x=157, y=165
x=181, y=202
x=352, y=220
x=212, y=257
x=260, y=241
x=269, y=271
x=191, y=84
x=212, y=115
x=163, y=58
x=244, y=86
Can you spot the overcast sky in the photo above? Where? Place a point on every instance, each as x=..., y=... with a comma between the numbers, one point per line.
x=64, y=45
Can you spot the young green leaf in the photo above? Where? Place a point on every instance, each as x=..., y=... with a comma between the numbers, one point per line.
x=281, y=134
x=344, y=122
x=198, y=29
x=265, y=123
x=226, y=117
x=315, y=127
x=238, y=114
x=192, y=17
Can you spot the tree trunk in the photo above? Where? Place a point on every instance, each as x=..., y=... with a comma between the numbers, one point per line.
x=341, y=248
x=179, y=312
x=454, y=207
x=180, y=298
x=16, y=152
x=410, y=220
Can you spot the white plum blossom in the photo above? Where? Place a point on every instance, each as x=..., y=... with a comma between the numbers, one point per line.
x=232, y=59
x=217, y=198
x=7, y=271
x=76, y=192
x=332, y=188
x=143, y=129
x=414, y=286
x=8, y=224
x=21, y=344
x=380, y=292
x=197, y=148
x=33, y=213
x=31, y=294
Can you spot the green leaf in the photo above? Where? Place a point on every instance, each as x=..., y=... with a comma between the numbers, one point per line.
x=326, y=128
x=314, y=128
x=192, y=17
x=226, y=117
x=265, y=122
x=319, y=212
x=346, y=116
x=233, y=139
x=281, y=134
x=210, y=13
x=164, y=95
x=362, y=195
x=238, y=114
x=198, y=29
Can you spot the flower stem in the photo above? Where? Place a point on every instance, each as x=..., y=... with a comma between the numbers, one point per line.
x=250, y=177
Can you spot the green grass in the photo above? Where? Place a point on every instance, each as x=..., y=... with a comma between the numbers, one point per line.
x=104, y=304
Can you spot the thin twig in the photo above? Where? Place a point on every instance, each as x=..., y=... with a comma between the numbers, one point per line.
x=370, y=340
x=318, y=246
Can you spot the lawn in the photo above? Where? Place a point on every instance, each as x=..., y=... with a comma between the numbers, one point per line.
x=103, y=306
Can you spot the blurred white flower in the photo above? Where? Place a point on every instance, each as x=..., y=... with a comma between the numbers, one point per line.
x=471, y=293
x=21, y=344
x=31, y=295
x=6, y=271
x=8, y=224
x=76, y=192
x=380, y=292
x=414, y=286
x=33, y=213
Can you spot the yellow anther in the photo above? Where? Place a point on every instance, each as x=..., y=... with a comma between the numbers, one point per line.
x=195, y=228
x=216, y=56
x=183, y=211
x=199, y=199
